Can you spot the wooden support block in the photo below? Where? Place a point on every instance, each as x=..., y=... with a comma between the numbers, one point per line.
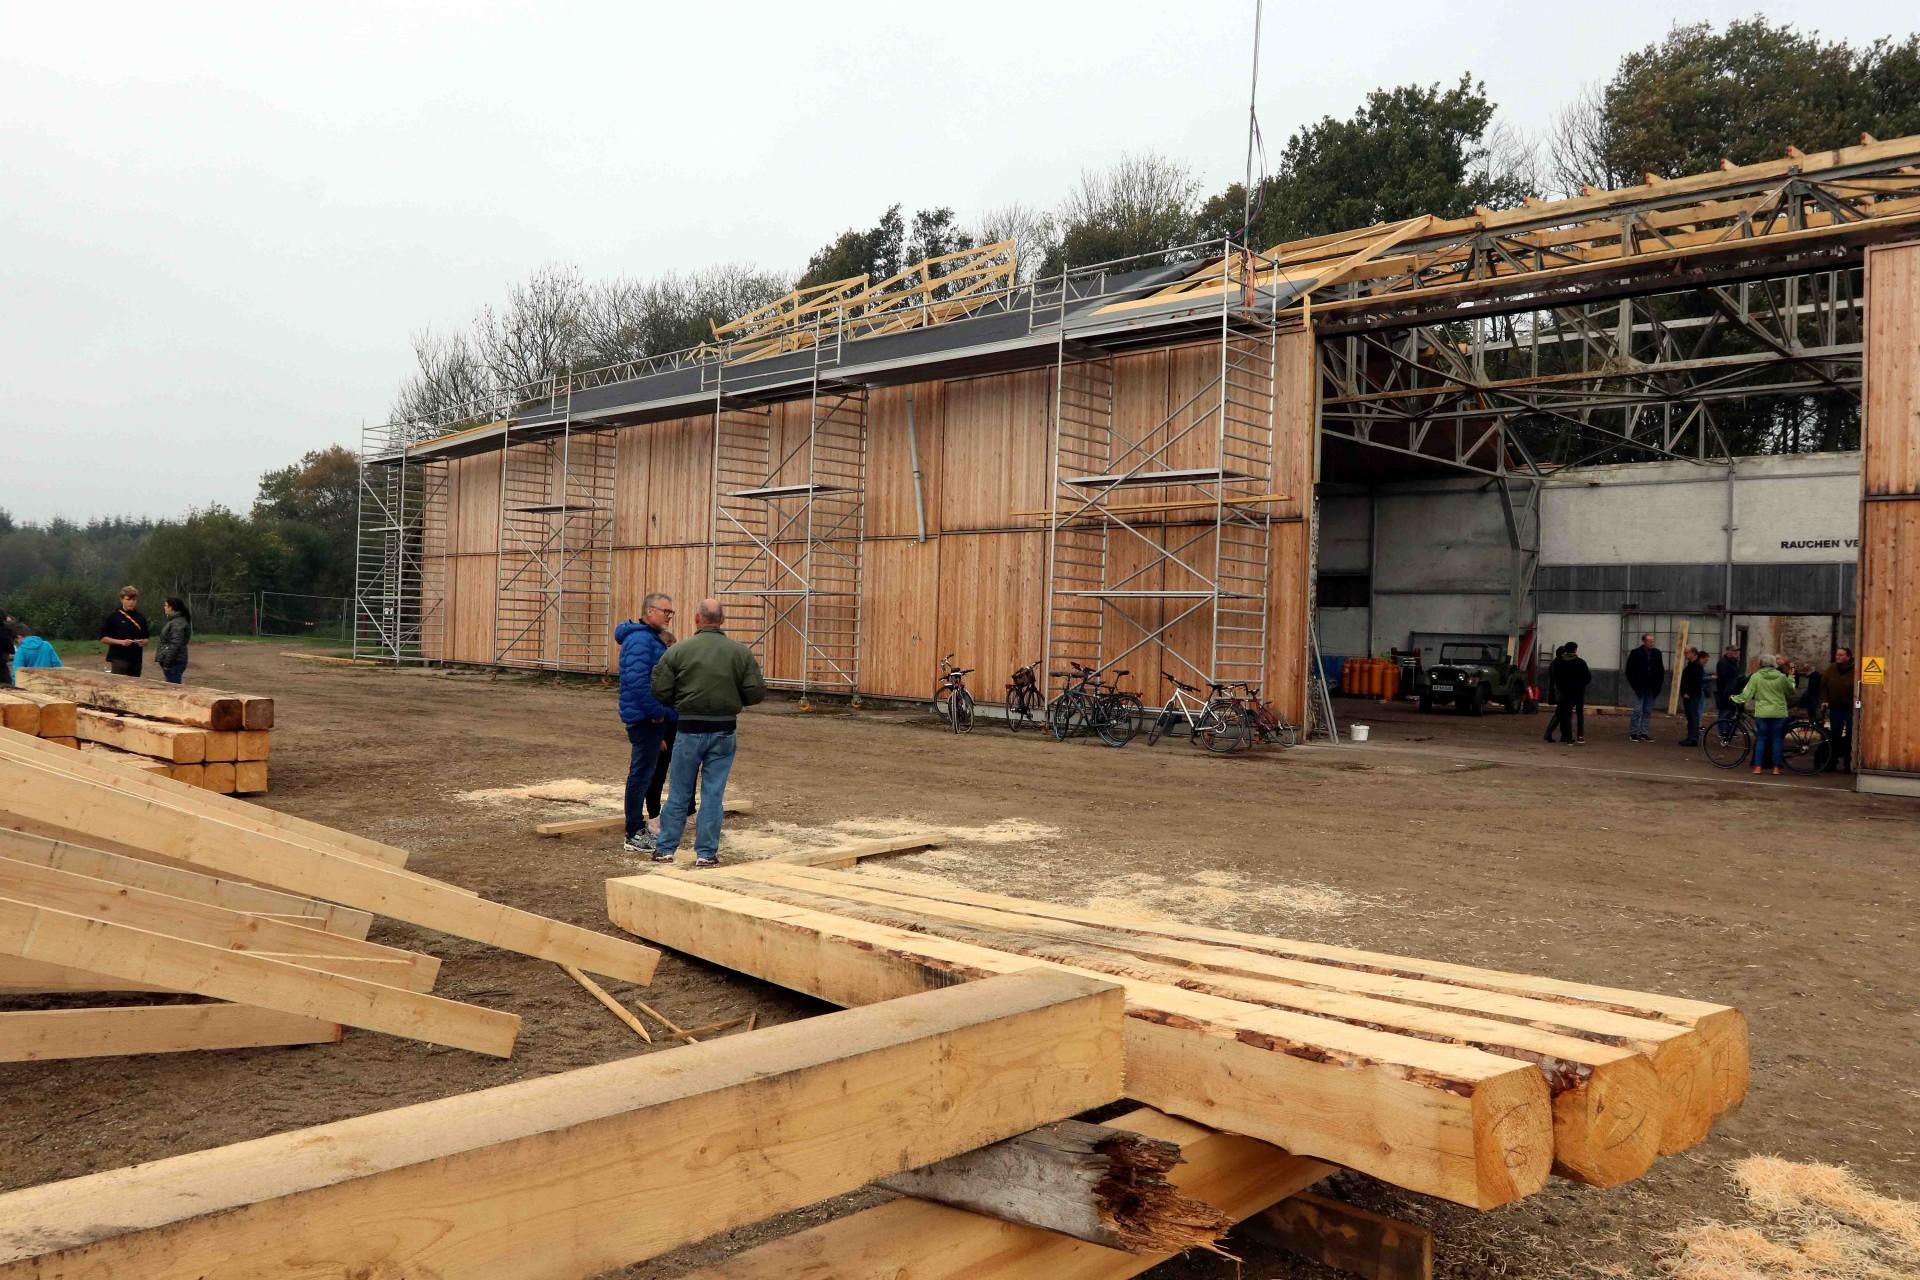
x=928, y=1241
x=194, y=775
x=219, y=778
x=176, y=744
x=1442, y=1119
x=848, y=855
x=91, y=807
x=20, y=716
x=575, y=1174
x=177, y=704
x=253, y=744
x=250, y=777
x=179, y=882
x=99, y=946
x=56, y=714
x=223, y=747
x=45, y=1035
x=1348, y=1238
x=239, y=813
x=1089, y=1181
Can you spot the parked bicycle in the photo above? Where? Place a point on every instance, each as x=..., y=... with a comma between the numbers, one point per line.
x=1805, y=747
x=1267, y=724
x=1024, y=707
x=1186, y=711
x=1089, y=703
x=951, y=700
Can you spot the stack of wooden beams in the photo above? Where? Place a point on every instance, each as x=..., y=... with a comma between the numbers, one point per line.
x=215, y=740
x=118, y=880
x=1468, y=1084
x=39, y=715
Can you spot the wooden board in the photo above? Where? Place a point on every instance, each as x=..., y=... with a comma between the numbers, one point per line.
x=847, y=855
x=100, y=753
x=56, y=714
x=1441, y=1119
x=574, y=1174
x=177, y=704
x=98, y=946
x=175, y=744
x=45, y=1035
x=927, y=1241
x=88, y=808
x=1887, y=732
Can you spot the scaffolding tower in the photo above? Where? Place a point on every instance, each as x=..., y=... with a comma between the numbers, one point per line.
x=1165, y=541
x=789, y=517
x=553, y=593
x=400, y=566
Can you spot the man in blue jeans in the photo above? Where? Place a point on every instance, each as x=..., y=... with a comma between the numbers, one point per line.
x=707, y=679
x=1646, y=671
x=647, y=719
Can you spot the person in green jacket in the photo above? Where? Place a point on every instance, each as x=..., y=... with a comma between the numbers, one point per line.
x=1768, y=693
x=707, y=679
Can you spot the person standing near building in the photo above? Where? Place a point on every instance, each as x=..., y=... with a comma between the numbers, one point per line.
x=1646, y=671
x=1836, y=686
x=124, y=631
x=31, y=651
x=6, y=647
x=1569, y=676
x=175, y=634
x=707, y=678
x=1727, y=679
x=648, y=720
x=1693, y=679
x=1768, y=693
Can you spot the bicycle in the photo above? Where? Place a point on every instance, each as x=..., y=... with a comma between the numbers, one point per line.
x=1185, y=706
x=1267, y=724
x=1023, y=698
x=1089, y=702
x=951, y=701
x=1805, y=747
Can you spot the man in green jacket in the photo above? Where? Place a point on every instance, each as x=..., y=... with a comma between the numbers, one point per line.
x=1768, y=692
x=707, y=679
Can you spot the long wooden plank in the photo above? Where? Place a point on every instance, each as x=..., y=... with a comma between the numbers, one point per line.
x=56, y=714
x=43, y=1035
x=101, y=753
x=1443, y=1119
x=847, y=855
x=1723, y=1029
x=926, y=1241
x=239, y=812
x=100, y=946
x=1608, y=1104
x=214, y=926
x=176, y=744
x=178, y=704
x=574, y=1174
x=18, y=975
x=179, y=882
x=88, y=808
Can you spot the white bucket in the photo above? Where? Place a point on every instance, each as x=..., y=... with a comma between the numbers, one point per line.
x=1358, y=732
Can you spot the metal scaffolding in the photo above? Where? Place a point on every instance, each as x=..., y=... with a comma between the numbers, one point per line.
x=553, y=593
x=1186, y=570
x=789, y=517
x=400, y=567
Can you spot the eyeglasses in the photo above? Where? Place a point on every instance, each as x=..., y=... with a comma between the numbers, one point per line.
x=662, y=609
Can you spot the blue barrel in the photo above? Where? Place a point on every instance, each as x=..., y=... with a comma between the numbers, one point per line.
x=1330, y=669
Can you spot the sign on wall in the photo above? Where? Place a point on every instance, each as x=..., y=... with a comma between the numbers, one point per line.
x=1873, y=671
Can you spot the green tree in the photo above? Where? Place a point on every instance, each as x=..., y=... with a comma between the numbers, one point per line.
x=1138, y=208
x=312, y=508
x=1407, y=151
x=876, y=251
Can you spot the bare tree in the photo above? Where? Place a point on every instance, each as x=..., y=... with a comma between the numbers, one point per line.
x=446, y=379
x=1030, y=229
x=1577, y=146
x=1509, y=153
x=627, y=319
x=537, y=334
x=1140, y=205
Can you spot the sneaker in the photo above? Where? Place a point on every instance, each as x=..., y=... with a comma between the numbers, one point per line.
x=706, y=862
x=1776, y=771
x=658, y=856
x=1756, y=768
x=640, y=841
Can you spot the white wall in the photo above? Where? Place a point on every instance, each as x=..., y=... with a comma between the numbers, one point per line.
x=1345, y=536
x=1597, y=634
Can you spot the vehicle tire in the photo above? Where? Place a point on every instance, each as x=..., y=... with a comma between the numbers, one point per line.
x=1158, y=729
x=1515, y=699
x=1477, y=704
x=1426, y=703
x=1120, y=716
x=1224, y=730
x=1062, y=715
x=963, y=712
x=1806, y=748
x=1728, y=750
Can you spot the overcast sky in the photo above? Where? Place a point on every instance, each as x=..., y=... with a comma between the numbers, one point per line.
x=220, y=223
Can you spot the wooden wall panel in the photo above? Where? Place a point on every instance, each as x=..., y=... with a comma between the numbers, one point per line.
x=1890, y=432
x=900, y=616
x=632, y=468
x=679, y=482
x=1133, y=564
x=470, y=639
x=1296, y=460
x=1889, y=581
x=990, y=605
x=1140, y=390
x=889, y=459
x=995, y=450
x=474, y=505
x=1889, y=628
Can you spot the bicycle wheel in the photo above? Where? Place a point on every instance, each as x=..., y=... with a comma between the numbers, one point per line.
x=1805, y=747
x=1019, y=709
x=962, y=719
x=1285, y=734
x=1120, y=716
x=1161, y=726
x=1225, y=730
x=1063, y=716
x=942, y=694
x=1728, y=743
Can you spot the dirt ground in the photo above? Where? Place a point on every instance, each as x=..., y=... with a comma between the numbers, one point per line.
x=1457, y=839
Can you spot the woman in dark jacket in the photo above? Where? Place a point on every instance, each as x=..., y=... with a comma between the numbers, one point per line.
x=175, y=634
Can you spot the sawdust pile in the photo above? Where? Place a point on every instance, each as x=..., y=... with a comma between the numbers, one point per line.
x=1813, y=1222
x=577, y=791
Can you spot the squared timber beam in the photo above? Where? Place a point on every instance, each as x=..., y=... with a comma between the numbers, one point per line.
x=47, y=1035
x=572, y=1175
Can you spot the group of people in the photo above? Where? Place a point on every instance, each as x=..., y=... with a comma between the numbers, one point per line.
x=680, y=701
x=20, y=649
x=1770, y=693
x=123, y=631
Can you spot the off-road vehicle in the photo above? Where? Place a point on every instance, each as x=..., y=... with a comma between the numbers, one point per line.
x=1468, y=677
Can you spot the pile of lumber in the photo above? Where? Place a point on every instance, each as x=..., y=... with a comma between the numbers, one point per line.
x=118, y=880
x=215, y=740
x=1473, y=1085
x=39, y=715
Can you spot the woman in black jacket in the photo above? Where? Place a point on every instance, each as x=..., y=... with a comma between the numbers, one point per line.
x=175, y=634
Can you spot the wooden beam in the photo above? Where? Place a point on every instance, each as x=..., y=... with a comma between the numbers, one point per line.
x=253, y=744
x=239, y=812
x=927, y=1241
x=1608, y=1106
x=219, y=777
x=176, y=744
x=24, y=976
x=841, y=856
x=223, y=747
x=181, y=883
x=178, y=704
x=56, y=714
x=250, y=777
x=1089, y=1181
x=595, y=826
x=20, y=716
x=44, y=1035
x=1442, y=1119
x=1348, y=1238
x=575, y=1174
x=88, y=807
x=121, y=951
x=101, y=753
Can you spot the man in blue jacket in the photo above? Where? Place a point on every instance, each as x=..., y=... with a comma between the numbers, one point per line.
x=645, y=716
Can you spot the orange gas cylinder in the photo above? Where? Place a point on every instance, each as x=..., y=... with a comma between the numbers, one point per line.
x=1391, y=690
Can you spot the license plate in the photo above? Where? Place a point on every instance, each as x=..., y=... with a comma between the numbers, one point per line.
x=1443, y=688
